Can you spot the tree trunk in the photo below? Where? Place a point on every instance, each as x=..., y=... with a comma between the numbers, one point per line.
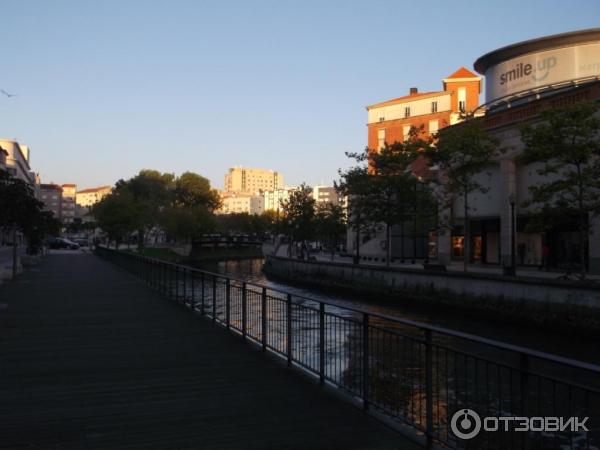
x=14, y=264
x=467, y=237
x=357, y=260
x=140, y=238
x=582, y=242
x=388, y=245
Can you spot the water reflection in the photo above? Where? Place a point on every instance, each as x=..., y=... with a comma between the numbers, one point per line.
x=571, y=346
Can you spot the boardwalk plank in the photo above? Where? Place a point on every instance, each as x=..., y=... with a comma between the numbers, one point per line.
x=91, y=358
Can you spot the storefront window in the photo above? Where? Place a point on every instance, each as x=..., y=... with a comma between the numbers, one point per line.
x=457, y=246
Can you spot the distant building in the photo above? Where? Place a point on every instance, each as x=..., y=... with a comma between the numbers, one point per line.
x=3, y=155
x=273, y=198
x=326, y=194
x=86, y=198
x=252, y=181
x=51, y=196
x=242, y=203
x=69, y=192
x=17, y=160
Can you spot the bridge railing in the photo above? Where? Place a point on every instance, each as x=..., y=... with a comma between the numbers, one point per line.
x=414, y=374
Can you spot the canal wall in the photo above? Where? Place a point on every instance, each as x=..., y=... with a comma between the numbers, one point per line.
x=566, y=304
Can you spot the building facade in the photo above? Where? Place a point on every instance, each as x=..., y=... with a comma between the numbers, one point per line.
x=326, y=194
x=391, y=121
x=252, y=181
x=51, y=196
x=17, y=161
x=272, y=199
x=242, y=203
x=522, y=81
x=69, y=192
x=86, y=198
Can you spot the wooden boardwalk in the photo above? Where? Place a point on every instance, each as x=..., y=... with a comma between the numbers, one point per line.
x=91, y=358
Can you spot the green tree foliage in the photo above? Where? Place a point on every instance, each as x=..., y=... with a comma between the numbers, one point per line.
x=151, y=191
x=566, y=146
x=183, y=207
x=463, y=151
x=330, y=225
x=117, y=214
x=355, y=185
x=22, y=212
x=298, y=213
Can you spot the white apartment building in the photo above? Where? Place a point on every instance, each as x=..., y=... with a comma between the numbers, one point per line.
x=251, y=204
x=272, y=199
x=252, y=181
x=86, y=198
x=17, y=160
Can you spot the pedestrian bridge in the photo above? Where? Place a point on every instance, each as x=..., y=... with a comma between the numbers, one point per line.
x=92, y=355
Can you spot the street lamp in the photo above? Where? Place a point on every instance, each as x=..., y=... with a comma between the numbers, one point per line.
x=512, y=198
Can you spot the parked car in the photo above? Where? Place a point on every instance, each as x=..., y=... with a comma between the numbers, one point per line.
x=61, y=243
x=82, y=242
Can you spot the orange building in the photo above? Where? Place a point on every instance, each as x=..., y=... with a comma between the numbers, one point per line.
x=390, y=121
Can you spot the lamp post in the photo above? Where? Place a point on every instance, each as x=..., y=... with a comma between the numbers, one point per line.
x=513, y=261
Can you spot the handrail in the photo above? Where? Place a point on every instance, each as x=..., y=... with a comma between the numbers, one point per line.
x=409, y=379
x=420, y=325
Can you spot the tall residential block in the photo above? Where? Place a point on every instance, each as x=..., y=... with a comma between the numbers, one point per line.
x=252, y=181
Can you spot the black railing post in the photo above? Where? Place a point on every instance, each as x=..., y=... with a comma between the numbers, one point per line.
x=184, y=270
x=289, y=330
x=244, y=301
x=193, y=299
x=429, y=388
x=264, y=318
x=202, y=297
x=176, y=268
x=214, y=299
x=524, y=368
x=322, y=342
x=365, y=361
x=228, y=303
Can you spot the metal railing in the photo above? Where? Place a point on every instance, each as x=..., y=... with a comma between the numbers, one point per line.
x=412, y=373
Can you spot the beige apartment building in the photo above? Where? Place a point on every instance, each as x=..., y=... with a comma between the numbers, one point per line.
x=272, y=199
x=234, y=203
x=69, y=191
x=252, y=181
x=86, y=198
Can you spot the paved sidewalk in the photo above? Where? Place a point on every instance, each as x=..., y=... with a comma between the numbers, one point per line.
x=91, y=358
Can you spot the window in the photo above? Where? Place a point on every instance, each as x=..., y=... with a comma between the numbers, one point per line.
x=381, y=119
x=433, y=107
x=433, y=126
x=406, y=132
x=380, y=139
x=462, y=99
x=407, y=111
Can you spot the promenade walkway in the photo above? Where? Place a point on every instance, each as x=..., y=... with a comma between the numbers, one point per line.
x=91, y=358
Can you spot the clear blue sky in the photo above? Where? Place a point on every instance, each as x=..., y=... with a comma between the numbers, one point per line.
x=107, y=88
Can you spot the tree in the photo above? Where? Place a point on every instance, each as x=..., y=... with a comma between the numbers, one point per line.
x=330, y=225
x=187, y=223
x=355, y=185
x=192, y=189
x=117, y=214
x=567, y=145
x=21, y=212
x=298, y=213
x=151, y=191
x=462, y=151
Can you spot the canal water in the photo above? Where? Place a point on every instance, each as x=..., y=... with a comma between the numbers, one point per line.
x=576, y=347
